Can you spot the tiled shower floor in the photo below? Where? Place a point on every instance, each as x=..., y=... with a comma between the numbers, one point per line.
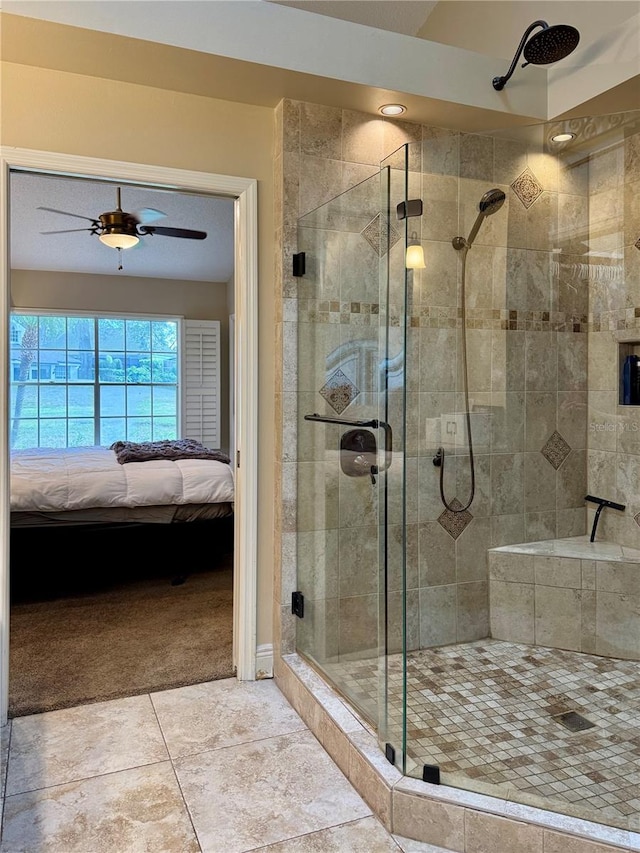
x=487, y=713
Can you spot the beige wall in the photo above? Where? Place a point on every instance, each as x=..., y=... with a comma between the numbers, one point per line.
x=495, y=28
x=194, y=300
x=96, y=117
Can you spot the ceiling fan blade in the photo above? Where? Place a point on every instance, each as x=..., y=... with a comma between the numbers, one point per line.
x=66, y=213
x=69, y=231
x=186, y=233
x=147, y=215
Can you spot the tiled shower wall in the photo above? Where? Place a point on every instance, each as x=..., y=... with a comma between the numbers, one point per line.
x=323, y=152
x=527, y=371
x=527, y=339
x=614, y=294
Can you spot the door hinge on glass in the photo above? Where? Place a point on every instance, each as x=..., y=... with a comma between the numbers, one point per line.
x=237, y=458
x=297, y=604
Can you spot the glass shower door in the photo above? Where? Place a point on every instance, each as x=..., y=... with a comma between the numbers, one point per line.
x=346, y=445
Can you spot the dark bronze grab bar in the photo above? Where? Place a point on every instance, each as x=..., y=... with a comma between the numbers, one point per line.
x=373, y=423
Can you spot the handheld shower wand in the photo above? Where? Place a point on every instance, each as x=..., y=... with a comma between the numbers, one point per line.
x=490, y=202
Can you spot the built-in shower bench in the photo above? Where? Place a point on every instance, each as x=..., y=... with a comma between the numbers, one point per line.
x=567, y=594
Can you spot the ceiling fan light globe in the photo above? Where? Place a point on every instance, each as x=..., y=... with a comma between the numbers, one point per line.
x=119, y=241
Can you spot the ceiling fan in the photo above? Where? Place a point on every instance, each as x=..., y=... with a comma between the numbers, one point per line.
x=121, y=230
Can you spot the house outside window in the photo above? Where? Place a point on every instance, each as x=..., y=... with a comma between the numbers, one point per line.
x=79, y=380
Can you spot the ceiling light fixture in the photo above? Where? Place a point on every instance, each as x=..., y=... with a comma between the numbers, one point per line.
x=117, y=240
x=392, y=109
x=563, y=137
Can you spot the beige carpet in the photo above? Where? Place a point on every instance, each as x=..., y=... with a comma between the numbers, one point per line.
x=133, y=638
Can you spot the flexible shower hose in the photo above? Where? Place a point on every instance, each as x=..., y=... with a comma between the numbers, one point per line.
x=465, y=382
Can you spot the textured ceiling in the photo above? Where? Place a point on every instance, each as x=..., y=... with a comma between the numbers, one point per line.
x=154, y=257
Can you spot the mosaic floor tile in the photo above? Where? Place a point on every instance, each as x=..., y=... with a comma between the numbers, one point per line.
x=487, y=718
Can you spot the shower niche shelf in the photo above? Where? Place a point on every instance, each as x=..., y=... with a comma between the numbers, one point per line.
x=629, y=371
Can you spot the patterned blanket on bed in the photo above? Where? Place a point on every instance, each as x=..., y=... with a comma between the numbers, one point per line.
x=183, y=448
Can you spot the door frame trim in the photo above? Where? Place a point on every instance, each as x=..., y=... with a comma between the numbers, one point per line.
x=244, y=191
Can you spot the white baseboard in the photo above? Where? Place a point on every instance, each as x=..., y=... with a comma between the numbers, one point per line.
x=264, y=661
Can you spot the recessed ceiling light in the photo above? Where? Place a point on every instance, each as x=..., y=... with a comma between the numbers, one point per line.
x=563, y=137
x=392, y=109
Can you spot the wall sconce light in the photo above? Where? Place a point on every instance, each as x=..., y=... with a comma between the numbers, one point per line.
x=415, y=254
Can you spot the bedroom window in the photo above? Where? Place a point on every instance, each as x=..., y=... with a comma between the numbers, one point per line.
x=81, y=380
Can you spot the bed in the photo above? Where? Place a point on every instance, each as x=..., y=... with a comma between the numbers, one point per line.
x=118, y=508
x=103, y=485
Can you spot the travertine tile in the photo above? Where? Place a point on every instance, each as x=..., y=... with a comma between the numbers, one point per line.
x=511, y=607
x=75, y=743
x=485, y=833
x=360, y=836
x=554, y=842
x=505, y=566
x=5, y=735
x=558, y=617
x=372, y=774
x=222, y=713
x=135, y=810
x=266, y=791
x=408, y=845
x=558, y=571
x=472, y=614
x=617, y=619
x=437, y=615
x=426, y=820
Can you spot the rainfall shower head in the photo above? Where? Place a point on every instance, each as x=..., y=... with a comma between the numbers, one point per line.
x=549, y=45
x=490, y=203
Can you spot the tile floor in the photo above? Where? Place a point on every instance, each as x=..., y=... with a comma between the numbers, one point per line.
x=488, y=713
x=220, y=767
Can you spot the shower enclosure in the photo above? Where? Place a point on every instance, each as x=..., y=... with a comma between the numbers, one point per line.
x=459, y=607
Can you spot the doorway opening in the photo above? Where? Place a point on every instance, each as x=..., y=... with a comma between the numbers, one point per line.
x=229, y=567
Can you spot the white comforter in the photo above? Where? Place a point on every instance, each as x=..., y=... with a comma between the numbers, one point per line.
x=52, y=479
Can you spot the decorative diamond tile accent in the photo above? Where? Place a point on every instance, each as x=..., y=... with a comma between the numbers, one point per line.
x=372, y=233
x=637, y=243
x=636, y=518
x=455, y=522
x=339, y=391
x=556, y=450
x=527, y=187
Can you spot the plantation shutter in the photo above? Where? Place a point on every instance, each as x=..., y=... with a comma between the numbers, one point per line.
x=201, y=386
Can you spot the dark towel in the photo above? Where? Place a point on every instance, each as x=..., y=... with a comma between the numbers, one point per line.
x=183, y=448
